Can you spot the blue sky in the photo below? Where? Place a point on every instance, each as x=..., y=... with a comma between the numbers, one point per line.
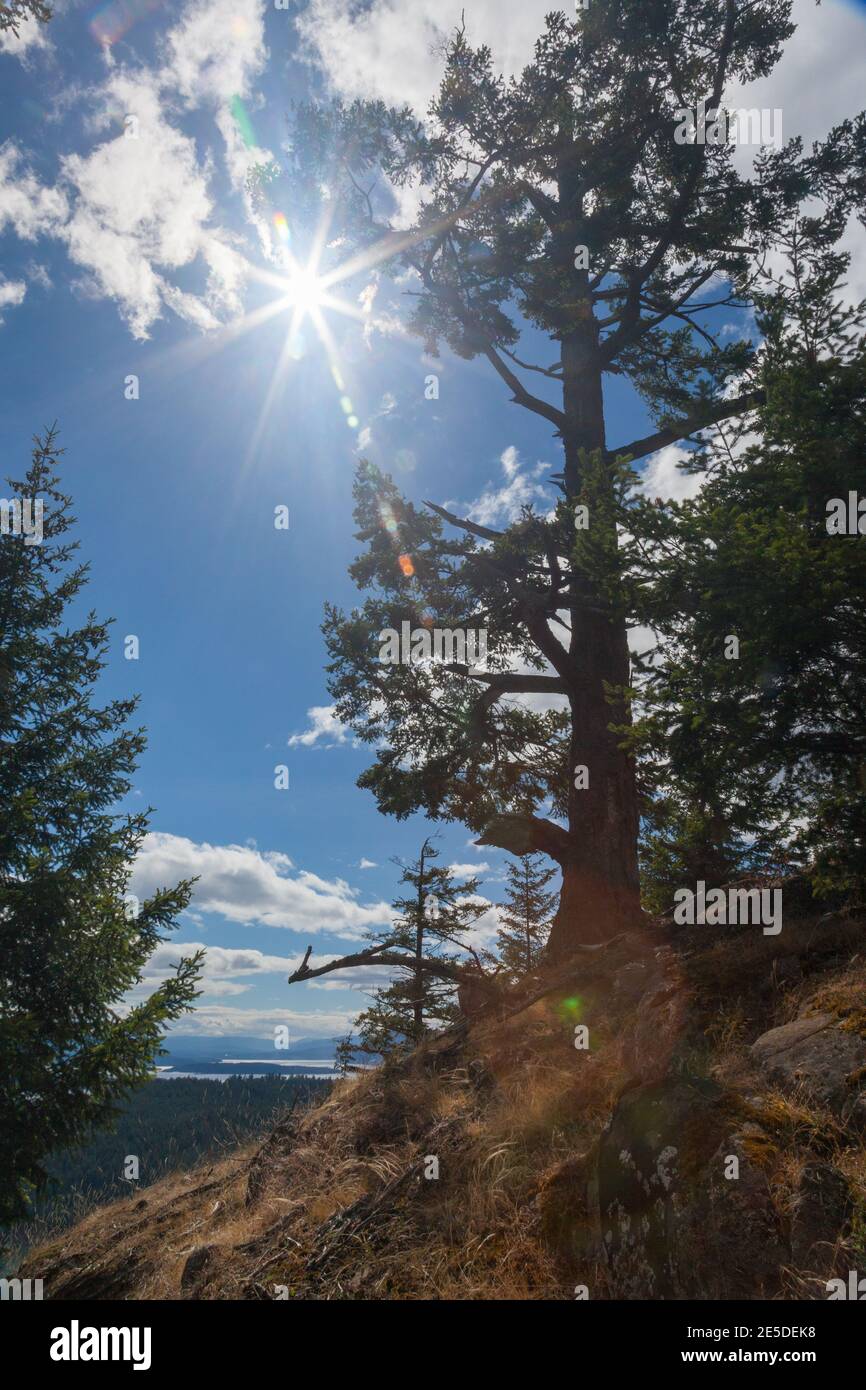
x=139, y=257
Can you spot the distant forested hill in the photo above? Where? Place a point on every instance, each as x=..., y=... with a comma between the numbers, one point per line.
x=166, y=1125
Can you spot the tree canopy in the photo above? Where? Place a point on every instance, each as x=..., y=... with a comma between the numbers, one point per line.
x=73, y=943
x=563, y=202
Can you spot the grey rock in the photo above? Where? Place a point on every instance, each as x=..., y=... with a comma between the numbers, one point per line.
x=673, y=1226
x=781, y=1039
x=195, y=1267
x=818, y=1057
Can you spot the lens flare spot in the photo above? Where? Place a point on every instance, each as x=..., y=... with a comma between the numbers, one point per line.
x=405, y=563
x=243, y=122
x=570, y=1010
x=405, y=461
x=114, y=20
x=281, y=227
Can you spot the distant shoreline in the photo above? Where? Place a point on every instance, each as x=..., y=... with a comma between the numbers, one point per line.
x=171, y=1075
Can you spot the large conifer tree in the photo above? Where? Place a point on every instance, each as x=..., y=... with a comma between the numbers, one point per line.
x=71, y=941
x=561, y=201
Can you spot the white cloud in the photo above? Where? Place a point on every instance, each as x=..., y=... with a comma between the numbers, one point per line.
x=509, y=459
x=227, y=972
x=222, y=962
x=222, y=972
x=216, y=1019
x=12, y=294
x=38, y=275
x=662, y=477
x=467, y=870
x=389, y=48
x=538, y=702
x=216, y=49
x=501, y=505
x=31, y=37
x=641, y=640
x=828, y=40
x=392, y=48
x=323, y=725
x=360, y=977
x=138, y=208
x=368, y=864
x=382, y=50
x=29, y=208
x=213, y=57
x=482, y=935
x=244, y=885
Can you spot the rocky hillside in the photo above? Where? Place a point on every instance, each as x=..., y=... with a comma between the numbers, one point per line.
x=707, y=1143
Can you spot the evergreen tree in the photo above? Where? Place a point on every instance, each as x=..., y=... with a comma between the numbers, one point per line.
x=565, y=201
x=432, y=920
x=71, y=945
x=526, y=915
x=755, y=755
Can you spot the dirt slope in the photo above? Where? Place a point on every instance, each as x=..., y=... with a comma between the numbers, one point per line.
x=668, y=1158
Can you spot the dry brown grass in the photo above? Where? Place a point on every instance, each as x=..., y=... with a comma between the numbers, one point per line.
x=513, y=1113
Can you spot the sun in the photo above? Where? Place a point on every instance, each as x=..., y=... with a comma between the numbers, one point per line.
x=303, y=295
x=306, y=294
x=305, y=291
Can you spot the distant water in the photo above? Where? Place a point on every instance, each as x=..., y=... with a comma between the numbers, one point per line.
x=169, y=1075
x=276, y=1062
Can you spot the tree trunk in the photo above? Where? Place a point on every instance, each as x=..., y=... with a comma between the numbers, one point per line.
x=418, y=1001
x=600, y=891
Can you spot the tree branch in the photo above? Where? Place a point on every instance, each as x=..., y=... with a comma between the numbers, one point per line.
x=511, y=683
x=525, y=834
x=382, y=955
x=681, y=429
x=555, y=372
x=520, y=394
x=472, y=527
